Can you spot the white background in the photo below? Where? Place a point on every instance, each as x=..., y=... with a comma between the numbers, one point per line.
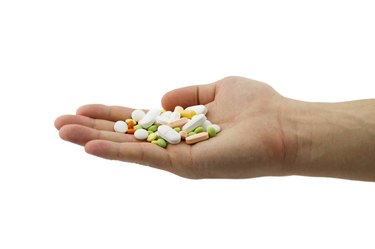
x=58, y=55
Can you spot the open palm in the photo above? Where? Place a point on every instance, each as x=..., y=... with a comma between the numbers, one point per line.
x=249, y=145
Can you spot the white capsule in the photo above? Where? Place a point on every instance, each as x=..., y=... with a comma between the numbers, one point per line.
x=206, y=124
x=149, y=118
x=169, y=134
x=174, y=116
x=197, y=120
x=120, y=126
x=138, y=115
x=141, y=134
x=199, y=109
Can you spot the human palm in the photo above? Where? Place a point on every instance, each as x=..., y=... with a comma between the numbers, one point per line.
x=249, y=145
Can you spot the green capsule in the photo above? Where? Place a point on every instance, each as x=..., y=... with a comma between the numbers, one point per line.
x=178, y=129
x=137, y=127
x=153, y=128
x=151, y=137
x=199, y=129
x=162, y=143
x=191, y=133
x=150, y=132
x=211, y=131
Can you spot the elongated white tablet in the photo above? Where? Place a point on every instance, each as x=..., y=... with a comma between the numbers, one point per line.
x=162, y=120
x=169, y=134
x=197, y=120
x=199, y=109
x=149, y=118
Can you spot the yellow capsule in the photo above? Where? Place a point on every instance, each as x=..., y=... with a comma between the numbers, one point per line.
x=187, y=113
x=155, y=142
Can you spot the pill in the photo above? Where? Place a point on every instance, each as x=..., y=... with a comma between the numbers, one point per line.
x=197, y=138
x=178, y=129
x=191, y=133
x=130, y=123
x=166, y=132
x=153, y=128
x=183, y=134
x=178, y=108
x=149, y=118
x=131, y=131
x=198, y=129
x=141, y=134
x=198, y=109
x=161, y=142
x=216, y=127
x=211, y=131
x=149, y=132
x=120, y=126
x=138, y=115
x=194, y=123
x=178, y=122
x=187, y=113
x=206, y=124
x=162, y=120
x=136, y=127
x=174, y=116
x=166, y=114
x=152, y=137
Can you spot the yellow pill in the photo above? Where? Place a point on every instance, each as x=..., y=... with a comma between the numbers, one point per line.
x=187, y=113
x=152, y=137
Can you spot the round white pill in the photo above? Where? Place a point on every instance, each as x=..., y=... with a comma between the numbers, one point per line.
x=138, y=115
x=120, y=126
x=141, y=134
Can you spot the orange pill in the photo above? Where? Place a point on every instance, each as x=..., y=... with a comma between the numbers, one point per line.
x=131, y=131
x=197, y=138
x=178, y=123
x=130, y=123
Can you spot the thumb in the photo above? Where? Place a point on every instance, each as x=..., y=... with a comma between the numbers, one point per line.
x=189, y=95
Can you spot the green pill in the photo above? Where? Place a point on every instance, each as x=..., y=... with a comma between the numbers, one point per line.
x=199, y=129
x=151, y=137
x=191, y=133
x=178, y=129
x=137, y=127
x=211, y=131
x=150, y=132
x=162, y=143
x=153, y=128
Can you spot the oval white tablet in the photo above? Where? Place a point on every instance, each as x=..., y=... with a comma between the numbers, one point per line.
x=216, y=127
x=206, y=124
x=149, y=118
x=174, y=116
x=141, y=134
x=198, y=120
x=162, y=120
x=120, y=126
x=169, y=134
x=199, y=109
x=138, y=115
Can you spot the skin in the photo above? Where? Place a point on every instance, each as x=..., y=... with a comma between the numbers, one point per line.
x=263, y=134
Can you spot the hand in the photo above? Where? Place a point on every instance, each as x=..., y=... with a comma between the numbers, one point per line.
x=251, y=142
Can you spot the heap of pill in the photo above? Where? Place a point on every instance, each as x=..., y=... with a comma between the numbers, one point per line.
x=166, y=127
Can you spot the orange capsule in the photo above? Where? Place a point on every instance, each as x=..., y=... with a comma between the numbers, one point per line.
x=131, y=131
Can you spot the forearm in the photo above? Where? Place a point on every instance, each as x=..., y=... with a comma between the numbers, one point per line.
x=332, y=139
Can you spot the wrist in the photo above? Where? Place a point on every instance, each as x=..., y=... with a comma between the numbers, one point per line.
x=331, y=139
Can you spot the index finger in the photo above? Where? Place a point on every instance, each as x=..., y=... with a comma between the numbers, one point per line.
x=112, y=113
